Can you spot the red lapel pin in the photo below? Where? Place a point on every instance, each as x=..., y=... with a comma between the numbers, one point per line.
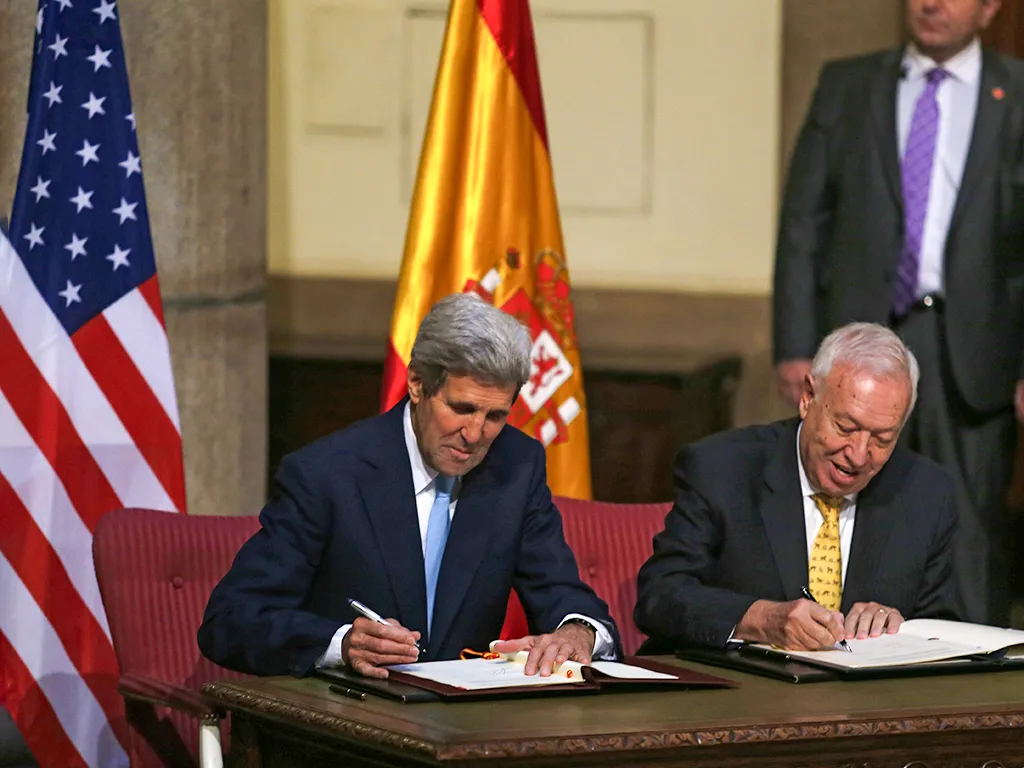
x=998, y=94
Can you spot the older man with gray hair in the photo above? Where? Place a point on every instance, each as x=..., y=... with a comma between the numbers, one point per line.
x=809, y=531
x=428, y=514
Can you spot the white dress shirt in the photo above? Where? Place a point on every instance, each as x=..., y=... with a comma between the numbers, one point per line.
x=423, y=486
x=957, y=97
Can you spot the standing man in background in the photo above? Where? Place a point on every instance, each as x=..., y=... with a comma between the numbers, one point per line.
x=905, y=205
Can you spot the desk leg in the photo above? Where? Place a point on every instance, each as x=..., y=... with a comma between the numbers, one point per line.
x=257, y=743
x=245, y=746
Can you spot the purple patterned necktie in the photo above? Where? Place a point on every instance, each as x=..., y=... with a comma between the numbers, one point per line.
x=916, y=174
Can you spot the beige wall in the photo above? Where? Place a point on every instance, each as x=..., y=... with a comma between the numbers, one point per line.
x=663, y=118
x=671, y=122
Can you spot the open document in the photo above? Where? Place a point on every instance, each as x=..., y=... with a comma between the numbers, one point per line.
x=507, y=674
x=919, y=641
x=508, y=671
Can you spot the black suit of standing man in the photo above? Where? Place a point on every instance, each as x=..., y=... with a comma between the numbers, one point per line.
x=847, y=223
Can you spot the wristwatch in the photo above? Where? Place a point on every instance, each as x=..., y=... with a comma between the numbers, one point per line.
x=577, y=620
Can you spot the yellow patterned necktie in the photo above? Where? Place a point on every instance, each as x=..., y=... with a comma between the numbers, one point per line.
x=825, y=569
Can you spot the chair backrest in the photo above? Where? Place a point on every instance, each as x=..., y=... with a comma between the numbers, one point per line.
x=155, y=572
x=610, y=541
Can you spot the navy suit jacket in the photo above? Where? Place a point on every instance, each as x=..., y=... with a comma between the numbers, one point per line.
x=736, y=534
x=342, y=523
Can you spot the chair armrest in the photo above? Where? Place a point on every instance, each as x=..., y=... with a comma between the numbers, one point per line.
x=162, y=693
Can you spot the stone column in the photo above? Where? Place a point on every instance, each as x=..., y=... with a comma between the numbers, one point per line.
x=16, y=20
x=199, y=82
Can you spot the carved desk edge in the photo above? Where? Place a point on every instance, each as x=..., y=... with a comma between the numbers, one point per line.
x=231, y=695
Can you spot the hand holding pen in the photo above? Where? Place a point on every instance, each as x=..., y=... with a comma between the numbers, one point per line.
x=372, y=645
x=372, y=615
x=807, y=594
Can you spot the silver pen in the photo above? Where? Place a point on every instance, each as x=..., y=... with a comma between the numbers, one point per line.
x=372, y=615
x=807, y=595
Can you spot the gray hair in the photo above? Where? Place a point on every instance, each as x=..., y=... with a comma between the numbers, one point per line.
x=465, y=336
x=866, y=347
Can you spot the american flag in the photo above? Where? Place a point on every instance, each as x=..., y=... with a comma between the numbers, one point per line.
x=88, y=415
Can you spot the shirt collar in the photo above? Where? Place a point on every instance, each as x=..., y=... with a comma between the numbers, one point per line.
x=965, y=66
x=422, y=475
x=805, y=484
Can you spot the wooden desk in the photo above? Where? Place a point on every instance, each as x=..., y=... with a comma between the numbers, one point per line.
x=963, y=720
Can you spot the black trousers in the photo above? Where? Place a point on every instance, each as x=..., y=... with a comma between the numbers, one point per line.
x=978, y=449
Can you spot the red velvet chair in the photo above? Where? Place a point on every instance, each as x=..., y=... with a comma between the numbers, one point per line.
x=156, y=571
x=611, y=542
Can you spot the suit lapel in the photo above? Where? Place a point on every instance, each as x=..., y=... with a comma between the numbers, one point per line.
x=871, y=527
x=479, y=500
x=388, y=494
x=883, y=108
x=782, y=514
x=988, y=121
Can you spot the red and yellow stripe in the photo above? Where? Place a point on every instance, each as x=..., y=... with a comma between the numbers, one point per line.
x=485, y=203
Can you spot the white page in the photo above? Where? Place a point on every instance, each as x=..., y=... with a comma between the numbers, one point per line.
x=884, y=651
x=478, y=674
x=977, y=637
x=622, y=671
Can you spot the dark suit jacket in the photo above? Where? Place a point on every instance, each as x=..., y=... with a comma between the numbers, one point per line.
x=841, y=227
x=342, y=523
x=736, y=534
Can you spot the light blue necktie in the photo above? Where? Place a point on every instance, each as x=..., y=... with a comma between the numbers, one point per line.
x=437, y=535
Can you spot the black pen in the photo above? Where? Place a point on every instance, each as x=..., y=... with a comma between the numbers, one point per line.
x=343, y=691
x=372, y=615
x=807, y=593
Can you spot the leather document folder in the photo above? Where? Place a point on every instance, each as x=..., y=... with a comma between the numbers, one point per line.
x=758, y=664
x=356, y=686
x=426, y=684
x=777, y=665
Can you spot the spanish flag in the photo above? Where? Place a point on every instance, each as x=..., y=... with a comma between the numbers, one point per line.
x=485, y=219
